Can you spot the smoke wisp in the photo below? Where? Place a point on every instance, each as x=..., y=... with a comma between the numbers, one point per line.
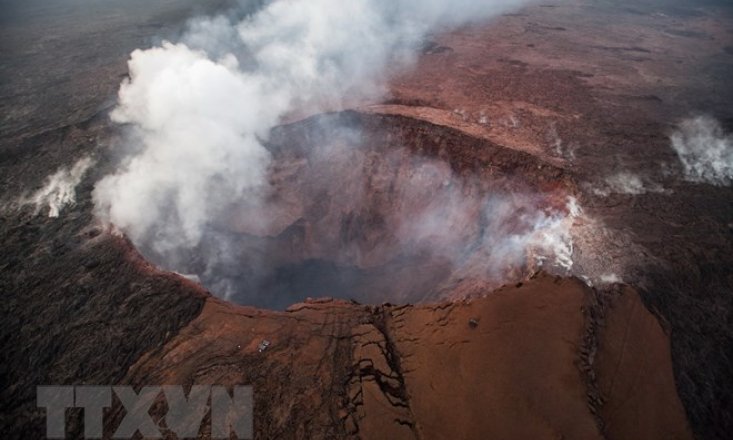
x=704, y=150
x=626, y=182
x=59, y=190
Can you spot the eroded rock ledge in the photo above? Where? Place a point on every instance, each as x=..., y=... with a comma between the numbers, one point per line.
x=542, y=359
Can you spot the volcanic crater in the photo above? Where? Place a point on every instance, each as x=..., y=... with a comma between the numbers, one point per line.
x=591, y=90
x=382, y=208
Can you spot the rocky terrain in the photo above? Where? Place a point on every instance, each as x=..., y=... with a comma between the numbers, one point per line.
x=556, y=99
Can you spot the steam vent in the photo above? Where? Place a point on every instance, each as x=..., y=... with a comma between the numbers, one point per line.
x=366, y=220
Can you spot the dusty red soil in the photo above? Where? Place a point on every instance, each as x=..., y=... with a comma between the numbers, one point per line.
x=583, y=88
x=425, y=372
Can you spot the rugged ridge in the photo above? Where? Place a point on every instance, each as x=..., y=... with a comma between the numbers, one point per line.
x=506, y=365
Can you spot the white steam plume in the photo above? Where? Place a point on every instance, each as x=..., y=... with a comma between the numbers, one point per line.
x=626, y=182
x=705, y=151
x=201, y=108
x=60, y=188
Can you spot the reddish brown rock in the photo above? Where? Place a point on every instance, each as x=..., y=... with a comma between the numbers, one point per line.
x=505, y=366
x=634, y=373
